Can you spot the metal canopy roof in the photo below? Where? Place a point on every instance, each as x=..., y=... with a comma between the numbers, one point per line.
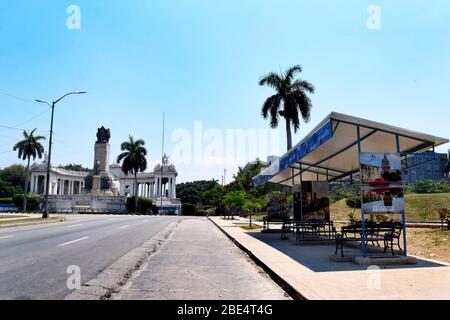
x=330, y=151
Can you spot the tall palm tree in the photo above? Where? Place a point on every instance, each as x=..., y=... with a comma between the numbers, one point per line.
x=134, y=160
x=29, y=148
x=293, y=93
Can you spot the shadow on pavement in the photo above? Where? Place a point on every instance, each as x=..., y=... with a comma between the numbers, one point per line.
x=316, y=257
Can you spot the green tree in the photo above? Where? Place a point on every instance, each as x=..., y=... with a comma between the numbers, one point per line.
x=133, y=160
x=214, y=196
x=252, y=205
x=190, y=192
x=14, y=174
x=293, y=93
x=234, y=200
x=75, y=167
x=243, y=180
x=28, y=148
x=7, y=190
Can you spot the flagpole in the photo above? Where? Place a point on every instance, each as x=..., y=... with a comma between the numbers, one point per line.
x=162, y=154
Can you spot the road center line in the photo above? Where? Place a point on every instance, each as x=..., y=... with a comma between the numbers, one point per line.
x=124, y=227
x=75, y=225
x=70, y=242
x=6, y=237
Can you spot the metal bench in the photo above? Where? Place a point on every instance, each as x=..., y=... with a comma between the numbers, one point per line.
x=287, y=227
x=314, y=230
x=268, y=219
x=388, y=232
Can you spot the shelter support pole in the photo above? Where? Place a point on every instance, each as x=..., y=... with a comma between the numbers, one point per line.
x=397, y=138
x=363, y=221
x=292, y=193
x=301, y=192
x=434, y=159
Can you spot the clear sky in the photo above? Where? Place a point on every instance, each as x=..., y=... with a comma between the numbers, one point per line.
x=200, y=60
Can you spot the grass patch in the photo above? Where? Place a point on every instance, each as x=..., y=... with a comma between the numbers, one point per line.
x=419, y=207
x=5, y=222
x=429, y=243
x=11, y=217
x=246, y=226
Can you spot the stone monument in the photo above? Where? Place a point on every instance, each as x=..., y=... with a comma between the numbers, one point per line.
x=99, y=181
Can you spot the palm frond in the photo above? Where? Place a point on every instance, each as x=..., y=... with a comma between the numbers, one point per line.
x=271, y=102
x=300, y=85
x=290, y=73
x=272, y=80
x=304, y=104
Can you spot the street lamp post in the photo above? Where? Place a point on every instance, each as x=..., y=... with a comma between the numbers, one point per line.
x=47, y=181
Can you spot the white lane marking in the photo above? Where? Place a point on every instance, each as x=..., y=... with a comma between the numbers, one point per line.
x=70, y=242
x=6, y=237
x=75, y=225
x=124, y=227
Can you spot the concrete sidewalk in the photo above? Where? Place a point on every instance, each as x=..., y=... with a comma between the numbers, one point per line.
x=199, y=262
x=312, y=275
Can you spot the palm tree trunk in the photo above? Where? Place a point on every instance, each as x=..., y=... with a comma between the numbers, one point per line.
x=25, y=196
x=136, y=200
x=288, y=134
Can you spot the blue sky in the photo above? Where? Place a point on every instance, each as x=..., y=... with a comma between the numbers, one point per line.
x=200, y=60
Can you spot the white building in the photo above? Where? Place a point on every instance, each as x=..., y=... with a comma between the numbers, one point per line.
x=62, y=182
x=160, y=184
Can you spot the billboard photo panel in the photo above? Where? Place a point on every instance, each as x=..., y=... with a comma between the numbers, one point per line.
x=382, y=183
x=312, y=201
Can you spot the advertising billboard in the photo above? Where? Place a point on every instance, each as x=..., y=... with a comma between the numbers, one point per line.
x=382, y=183
x=312, y=201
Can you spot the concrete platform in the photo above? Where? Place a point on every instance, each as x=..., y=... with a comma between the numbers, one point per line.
x=308, y=270
x=385, y=261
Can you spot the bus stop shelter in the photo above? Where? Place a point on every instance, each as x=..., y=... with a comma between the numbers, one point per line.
x=331, y=152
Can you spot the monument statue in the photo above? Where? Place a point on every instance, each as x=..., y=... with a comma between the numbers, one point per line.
x=165, y=159
x=103, y=135
x=99, y=181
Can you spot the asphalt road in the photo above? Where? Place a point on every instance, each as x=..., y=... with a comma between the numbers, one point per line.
x=34, y=259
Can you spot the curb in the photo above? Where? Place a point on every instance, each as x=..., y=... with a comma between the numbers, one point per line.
x=286, y=286
x=7, y=226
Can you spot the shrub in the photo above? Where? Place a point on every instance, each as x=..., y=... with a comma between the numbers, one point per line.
x=32, y=201
x=6, y=201
x=443, y=213
x=427, y=186
x=340, y=194
x=144, y=205
x=7, y=190
x=381, y=217
x=354, y=202
x=352, y=217
x=188, y=209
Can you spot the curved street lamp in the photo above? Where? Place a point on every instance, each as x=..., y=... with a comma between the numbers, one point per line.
x=47, y=182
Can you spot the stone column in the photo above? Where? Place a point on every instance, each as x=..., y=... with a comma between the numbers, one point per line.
x=174, y=190
x=45, y=184
x=32, y=183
